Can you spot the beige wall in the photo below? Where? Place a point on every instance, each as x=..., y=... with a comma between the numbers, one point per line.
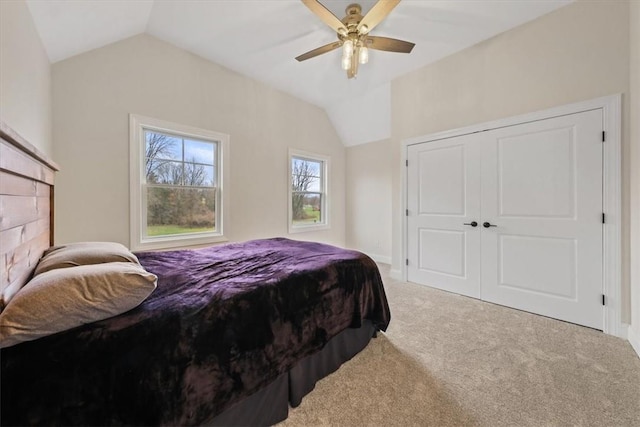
x=635, y=174
x=576, y=53
x=93, y=95
x=25, y=76
x=369, y=199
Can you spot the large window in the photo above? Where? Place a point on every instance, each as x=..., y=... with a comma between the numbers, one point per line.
x=177, y=184
x=308, y=191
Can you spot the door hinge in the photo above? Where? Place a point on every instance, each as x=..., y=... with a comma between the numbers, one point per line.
x=406, y=212
x=603, y=136
x=603, y=300
x=603, y=217
x=406, y=163
x=406, y=261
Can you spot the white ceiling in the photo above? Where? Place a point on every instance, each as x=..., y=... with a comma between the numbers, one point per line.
x=261, y=38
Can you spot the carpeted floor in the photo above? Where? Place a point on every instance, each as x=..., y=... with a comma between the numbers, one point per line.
x=450, y=360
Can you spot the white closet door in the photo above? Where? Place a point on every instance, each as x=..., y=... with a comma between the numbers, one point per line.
x=444, y=194
x=542, y=189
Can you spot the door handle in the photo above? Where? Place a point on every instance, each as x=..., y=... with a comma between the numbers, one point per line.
x=487, y=225
x=472, y=223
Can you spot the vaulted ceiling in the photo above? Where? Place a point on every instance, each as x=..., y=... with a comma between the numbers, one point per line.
x=261, y=38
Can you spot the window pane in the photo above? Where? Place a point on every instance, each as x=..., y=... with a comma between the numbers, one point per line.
x=161, y=146
x=211, y=176
x=306, y=175
x=314, y=184
x=306, y=208
x=198, y=175
x=165, y=172
x=173, y=211
x=199, y=152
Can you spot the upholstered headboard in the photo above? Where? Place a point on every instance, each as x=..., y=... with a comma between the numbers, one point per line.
x=26, y=209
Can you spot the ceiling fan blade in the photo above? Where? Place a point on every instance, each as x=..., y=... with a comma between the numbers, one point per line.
x=325, y=15
x=377, y=13
x=390, y=45
x=319, y=51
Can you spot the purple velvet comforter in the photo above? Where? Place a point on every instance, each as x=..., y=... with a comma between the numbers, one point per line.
x=224, y=322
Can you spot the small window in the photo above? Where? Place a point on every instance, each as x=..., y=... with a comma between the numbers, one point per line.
x=176, y=196
x=308, y=192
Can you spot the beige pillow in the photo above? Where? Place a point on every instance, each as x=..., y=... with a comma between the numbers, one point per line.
x=64, y=298
x=84, y=253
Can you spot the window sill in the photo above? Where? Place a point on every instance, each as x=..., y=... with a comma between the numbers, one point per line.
x=307, y=228
x=172, y=242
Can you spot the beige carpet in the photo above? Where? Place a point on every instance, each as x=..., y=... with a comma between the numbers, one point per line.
x=451, y=360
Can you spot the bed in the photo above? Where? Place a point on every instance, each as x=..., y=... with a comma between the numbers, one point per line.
x=232, y=335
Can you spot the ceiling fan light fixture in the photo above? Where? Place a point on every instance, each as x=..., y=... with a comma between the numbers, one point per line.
x=363, y=55
x=346, y=62
x=363, y=29
x=347, y=49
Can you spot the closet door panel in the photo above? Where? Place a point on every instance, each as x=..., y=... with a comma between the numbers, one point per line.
x=444, y=195
x=542, y=195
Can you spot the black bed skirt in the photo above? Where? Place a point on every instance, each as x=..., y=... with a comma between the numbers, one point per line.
x=271, y=404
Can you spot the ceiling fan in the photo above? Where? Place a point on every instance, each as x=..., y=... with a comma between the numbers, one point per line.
x=353, y=34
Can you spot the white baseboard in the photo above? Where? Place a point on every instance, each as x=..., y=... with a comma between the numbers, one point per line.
x=634, y=339
x=396, y=274
x=380, y=258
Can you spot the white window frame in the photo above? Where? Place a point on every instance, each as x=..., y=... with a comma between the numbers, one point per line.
x=137, y=146
x=324, y=208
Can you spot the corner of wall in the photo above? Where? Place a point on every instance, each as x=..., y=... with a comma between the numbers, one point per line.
x=634, y=83
x=396, y=274
x=368, y=199
x=634, y=339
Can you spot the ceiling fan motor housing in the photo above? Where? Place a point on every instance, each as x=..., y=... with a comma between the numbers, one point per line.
x=353, y=18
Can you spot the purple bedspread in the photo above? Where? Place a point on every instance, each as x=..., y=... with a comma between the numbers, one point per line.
x=223, y=322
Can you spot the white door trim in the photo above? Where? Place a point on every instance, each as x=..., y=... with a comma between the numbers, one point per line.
x=612, y=196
